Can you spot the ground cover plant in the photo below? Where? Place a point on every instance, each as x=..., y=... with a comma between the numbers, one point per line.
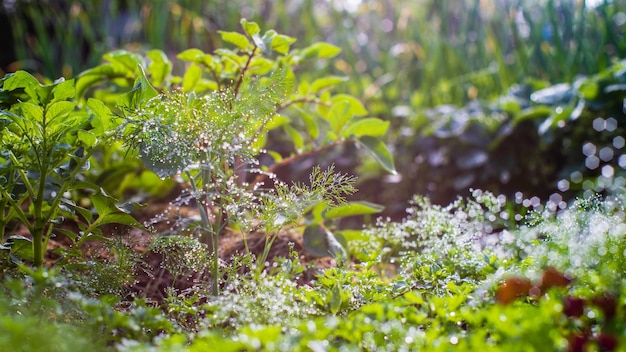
x=485, y=272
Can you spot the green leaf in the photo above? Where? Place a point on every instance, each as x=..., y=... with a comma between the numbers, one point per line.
x=31, y=112
x=321, y=50
x=103, y=114
x=296, y=138
x=85, y=213
x=309, y=121
x=380, y=152
x=326, y=82
x=63, y=90
x=24, y=80
x=124, y=61
x=268, y=38
x=276, y=121
x=109, y=211
x=533, y=112
x=67, y=233
x=21, y=246
x=371, y=126
x=250, y=27
x=191, y=55
x=141, y=92
x=160, y=67
x=237, y=39
x=356, y=107
x=320, y=242
x=338, y=116
x=353, y=208
x=119, y=218
x=87, y=138
x=59, y=109
x=281, y=43
x=191, y=77
x=260, y=66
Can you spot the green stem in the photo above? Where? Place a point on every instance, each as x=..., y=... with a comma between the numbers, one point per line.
x=211, y=237
x=39, y=223
x=269, y=240
x=216, y=259
x=16, y=207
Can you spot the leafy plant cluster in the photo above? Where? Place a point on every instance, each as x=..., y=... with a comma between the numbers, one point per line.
x=460, y=276
x=551, y=141
x=556, y=283
x=417, y=56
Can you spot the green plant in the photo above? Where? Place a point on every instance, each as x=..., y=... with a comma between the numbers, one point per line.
x=40, y=312
x=213, y=128
x=46, y=143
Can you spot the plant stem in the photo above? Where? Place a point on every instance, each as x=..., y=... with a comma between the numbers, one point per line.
x=211, y=236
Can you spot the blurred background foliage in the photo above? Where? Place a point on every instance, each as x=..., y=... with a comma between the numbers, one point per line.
x=503, y=95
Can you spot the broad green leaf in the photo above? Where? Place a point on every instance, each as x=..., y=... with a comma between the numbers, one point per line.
x=204, y=85
x=276, y=121
x=554, y=119
x=191, y=55
x=356, y=107
x=338, y=116
x=258, y=41
x=510, y=105
x=103, y=203
x=276, y=156
x=309, y=121
x=295, y=137
x=89, y=139
x=63, y=90
x=59, y=109
x=320, y=242
x=24, y=80
x=237, y=39
x=124, y=61
x=260, y=66
x=85, y=213
x=191, y=77
x=281, y=43
x=321, y=50
x=326, y=82
x=141, y=92
x=533, y=112
x=380, y=152
x=160, y=67
x=250, y=27
x=119, y=218
x=67, y=233
x=229, y=55
x=109, y=212
x=353, y=208
x=268, y=38
x=103, y=120
x=370, y=126
x=94, y=76
x=304, y=87
x=32, y=112
x=21, y=246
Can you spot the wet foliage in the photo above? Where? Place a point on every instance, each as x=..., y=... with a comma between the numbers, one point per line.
x=243, y=136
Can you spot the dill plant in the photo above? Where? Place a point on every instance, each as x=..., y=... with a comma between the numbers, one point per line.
x=212, y=142
x=208, y=140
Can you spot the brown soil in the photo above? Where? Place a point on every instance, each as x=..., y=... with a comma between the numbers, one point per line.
x=152, y=280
